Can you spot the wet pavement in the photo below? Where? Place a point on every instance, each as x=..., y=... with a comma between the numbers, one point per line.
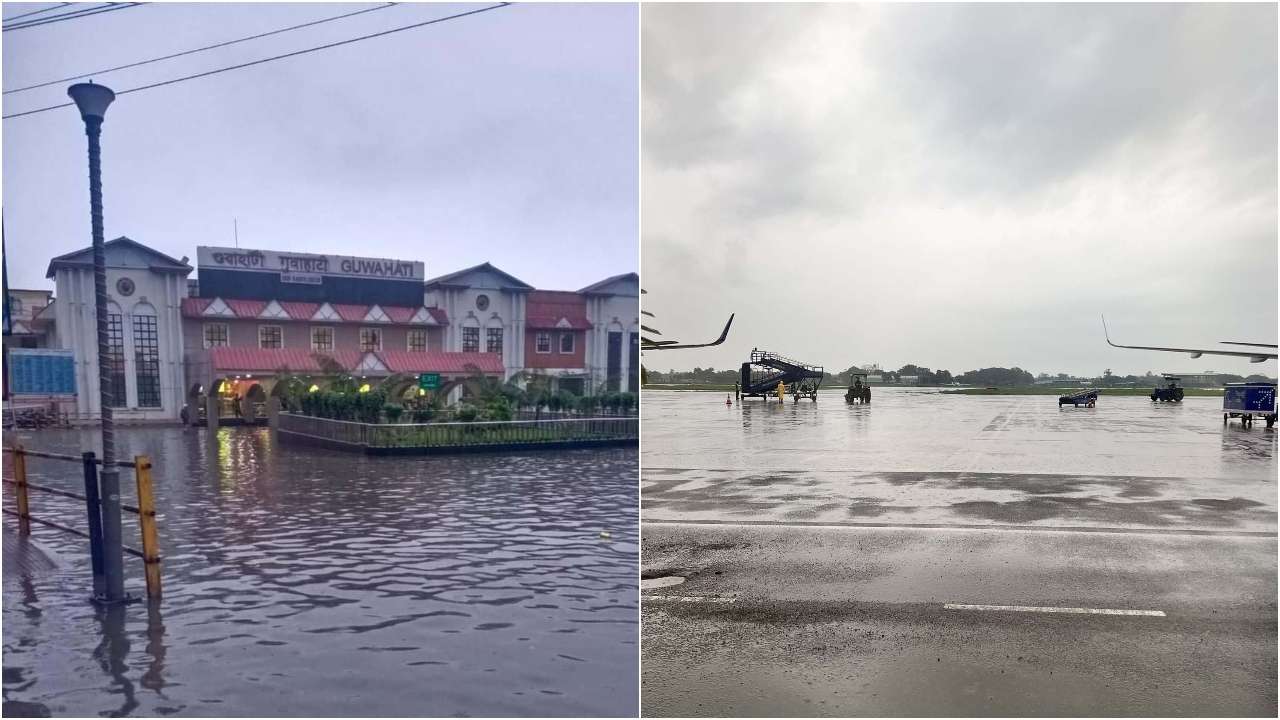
x=317, y=583
x=820, y=546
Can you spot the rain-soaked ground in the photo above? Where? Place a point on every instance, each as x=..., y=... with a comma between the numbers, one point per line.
x=921, y=457
x=315, y=583
x=956, y=555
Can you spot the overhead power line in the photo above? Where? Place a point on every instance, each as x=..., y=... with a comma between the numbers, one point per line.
x=201, y=49
x=74, y=15
x=37, y=12
x=276, y=57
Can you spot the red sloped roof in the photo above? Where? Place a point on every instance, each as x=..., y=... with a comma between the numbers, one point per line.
x=300, y=310
x=351, y=313
x=441, y=362
x=246, y=308
x=399, y=314
x=250, y=359
x=546, y=308
x=194, y=307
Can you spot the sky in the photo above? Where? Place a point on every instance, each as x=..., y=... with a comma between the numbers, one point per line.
x=960, y=186
x=509, y=136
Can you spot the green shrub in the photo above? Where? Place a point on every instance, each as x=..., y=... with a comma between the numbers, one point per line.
x=393, y=412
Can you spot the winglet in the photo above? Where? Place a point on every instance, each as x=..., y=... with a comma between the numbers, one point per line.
x=725, y=333
x=1106, y=334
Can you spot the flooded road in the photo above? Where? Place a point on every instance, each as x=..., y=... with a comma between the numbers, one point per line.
x=316, y=583
x=949, y=555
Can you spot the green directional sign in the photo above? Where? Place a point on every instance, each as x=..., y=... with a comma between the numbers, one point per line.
x=429, y=381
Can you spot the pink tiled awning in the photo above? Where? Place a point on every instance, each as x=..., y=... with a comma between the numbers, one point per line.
x=250, y=359
x=441, y=362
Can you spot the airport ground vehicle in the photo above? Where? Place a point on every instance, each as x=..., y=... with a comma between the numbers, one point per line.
x=761, y=376
x=1249, y=400
x=859, y=391
x=1085, y=397
x=1171, y=392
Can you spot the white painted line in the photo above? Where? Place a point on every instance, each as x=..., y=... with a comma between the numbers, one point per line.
x=687, y=598
x=1075, y=610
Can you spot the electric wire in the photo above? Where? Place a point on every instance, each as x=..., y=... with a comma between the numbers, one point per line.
x=37, y=12
x=295, y=53
x=111, y=7
x=201, y=49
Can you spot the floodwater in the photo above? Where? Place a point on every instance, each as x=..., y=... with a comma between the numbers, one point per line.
x=915, y=456
x=307, y=582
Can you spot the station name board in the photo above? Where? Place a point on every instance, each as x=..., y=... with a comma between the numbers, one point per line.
x=306, y=267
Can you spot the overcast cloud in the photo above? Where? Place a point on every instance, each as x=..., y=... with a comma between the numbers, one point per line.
x=960, y=186
x=508, y=136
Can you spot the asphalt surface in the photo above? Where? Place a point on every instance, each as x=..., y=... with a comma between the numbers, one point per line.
x=817, y=578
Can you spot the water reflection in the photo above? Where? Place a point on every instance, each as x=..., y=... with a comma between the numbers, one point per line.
x=303, y=582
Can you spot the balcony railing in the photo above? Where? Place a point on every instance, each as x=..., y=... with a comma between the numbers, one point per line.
x=465, y=435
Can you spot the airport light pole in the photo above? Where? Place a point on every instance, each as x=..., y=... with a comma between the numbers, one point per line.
x=92, y=101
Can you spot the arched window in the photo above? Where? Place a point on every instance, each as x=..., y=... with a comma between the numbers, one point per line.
x=146, y=355
x=114, y=359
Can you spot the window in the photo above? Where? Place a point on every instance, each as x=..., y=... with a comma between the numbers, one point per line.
x=566, y=343
x=417, y=341
x=322, y=338
x=370, y=339
x=542, y=343
x=493, y=340
x=115, y=360
x=470, y=339
x=215, y=335
x=15, y=305
x=270, y=337
x=146, y=360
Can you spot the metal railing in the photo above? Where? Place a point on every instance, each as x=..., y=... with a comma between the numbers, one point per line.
x=463, y=434
x=145, y=509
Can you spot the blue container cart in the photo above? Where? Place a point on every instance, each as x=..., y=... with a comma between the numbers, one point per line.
x=1249, y=400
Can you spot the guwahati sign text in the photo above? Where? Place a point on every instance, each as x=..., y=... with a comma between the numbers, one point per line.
x=299, y=267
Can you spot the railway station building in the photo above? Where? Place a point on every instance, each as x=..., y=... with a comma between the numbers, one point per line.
x=251, y=316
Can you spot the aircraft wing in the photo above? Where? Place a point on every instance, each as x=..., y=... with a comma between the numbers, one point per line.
x=1255, y=356
x=647, y=344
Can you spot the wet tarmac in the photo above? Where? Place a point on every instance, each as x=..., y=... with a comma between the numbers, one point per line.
x=316, y=583
x=833, y=554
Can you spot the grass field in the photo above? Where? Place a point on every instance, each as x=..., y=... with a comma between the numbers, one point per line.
x=1038, y=390
x=1189, y=392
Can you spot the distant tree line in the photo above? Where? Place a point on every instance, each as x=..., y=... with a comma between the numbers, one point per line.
x=920, y=375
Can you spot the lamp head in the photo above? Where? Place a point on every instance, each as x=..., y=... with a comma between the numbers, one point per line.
x=91, y=99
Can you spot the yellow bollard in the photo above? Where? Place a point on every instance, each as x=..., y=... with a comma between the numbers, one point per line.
x=147, y=523
x=20, y=481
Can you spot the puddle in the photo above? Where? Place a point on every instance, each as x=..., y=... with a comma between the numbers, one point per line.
x=668, y=581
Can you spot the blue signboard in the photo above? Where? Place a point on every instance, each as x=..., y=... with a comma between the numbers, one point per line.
x=42, y=372
x=1250, y=397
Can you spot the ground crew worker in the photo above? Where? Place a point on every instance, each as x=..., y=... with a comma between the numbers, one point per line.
x=782, y=391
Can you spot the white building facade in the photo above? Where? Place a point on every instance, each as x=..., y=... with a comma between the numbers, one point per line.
x=144, y=292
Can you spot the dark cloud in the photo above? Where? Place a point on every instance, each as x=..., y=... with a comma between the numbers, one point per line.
x=961, y=185
x=509, y=136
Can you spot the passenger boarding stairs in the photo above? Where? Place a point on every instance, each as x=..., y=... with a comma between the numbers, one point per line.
x=761, y=376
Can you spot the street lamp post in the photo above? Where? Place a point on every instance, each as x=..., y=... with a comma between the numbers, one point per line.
x=92, y=101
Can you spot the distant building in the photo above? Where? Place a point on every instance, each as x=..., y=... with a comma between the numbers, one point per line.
x=28, y=329
x=909, y=379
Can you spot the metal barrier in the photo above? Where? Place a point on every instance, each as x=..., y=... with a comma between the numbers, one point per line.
x=145, y=510
x=463, y=434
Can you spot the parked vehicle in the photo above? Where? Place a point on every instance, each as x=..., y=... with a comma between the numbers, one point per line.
x=1088, y=398
x=1248, y=400
x=1171, y=392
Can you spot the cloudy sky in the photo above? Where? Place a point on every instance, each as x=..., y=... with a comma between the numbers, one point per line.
x=960, y=186
x=509, y=136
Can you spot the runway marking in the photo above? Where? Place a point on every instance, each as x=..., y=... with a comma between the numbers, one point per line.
x=827, y=525
x=1073, y=610
x=687, y=598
